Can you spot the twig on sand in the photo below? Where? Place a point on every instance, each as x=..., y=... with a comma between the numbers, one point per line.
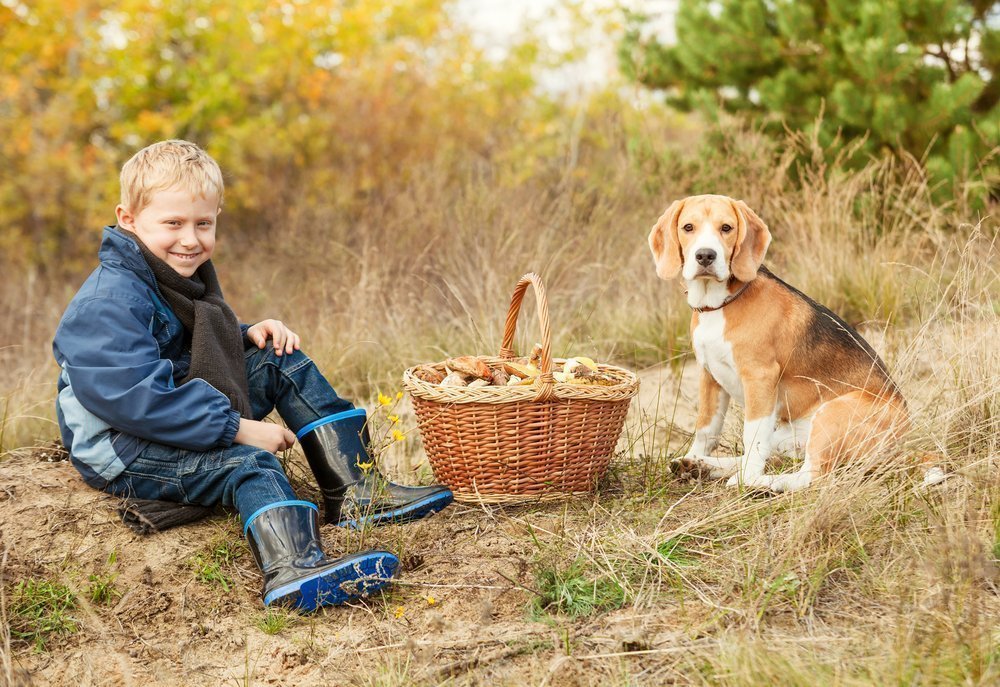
x=522, y=586
x=477, y=660
x=412, y=583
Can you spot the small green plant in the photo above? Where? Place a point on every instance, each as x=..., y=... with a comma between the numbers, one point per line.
x=41, y=609
x=225, y=551
x=786, y=583
x=573, y=592
x=210, y=572
x=274, y=621
x=102, y=588
x=210, y=565
x=676, y=552
x=785, y=586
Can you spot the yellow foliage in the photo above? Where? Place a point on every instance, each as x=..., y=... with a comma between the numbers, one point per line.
x=324, y=102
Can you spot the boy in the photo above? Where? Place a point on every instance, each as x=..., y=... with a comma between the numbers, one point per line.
x=162, y=392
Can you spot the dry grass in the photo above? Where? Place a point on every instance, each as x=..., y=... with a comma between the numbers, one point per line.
x=865, y=579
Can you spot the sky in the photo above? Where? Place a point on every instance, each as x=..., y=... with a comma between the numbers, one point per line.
x=495, y=23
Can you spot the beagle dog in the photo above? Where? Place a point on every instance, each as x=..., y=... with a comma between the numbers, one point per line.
x=805, y=377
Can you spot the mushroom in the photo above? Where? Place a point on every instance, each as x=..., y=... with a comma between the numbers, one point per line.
x=426, y=373
x=522, y=371
x=453, y=379
x=535, y=359
x=499, y=377
x=469, y=366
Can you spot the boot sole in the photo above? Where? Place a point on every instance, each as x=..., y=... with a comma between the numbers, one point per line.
x=411, y=511
x=352, y=578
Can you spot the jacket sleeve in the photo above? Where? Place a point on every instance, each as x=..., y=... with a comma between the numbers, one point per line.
x=247, y=342
x=114, y=367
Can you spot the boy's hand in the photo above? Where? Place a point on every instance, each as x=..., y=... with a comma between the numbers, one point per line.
x=265, y=435
x=285, y=340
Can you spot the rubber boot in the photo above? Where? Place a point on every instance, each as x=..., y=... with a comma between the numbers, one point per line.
x=284, y=540
x=336, y=448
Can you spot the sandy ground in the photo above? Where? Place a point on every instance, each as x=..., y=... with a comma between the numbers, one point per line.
x=460, y=608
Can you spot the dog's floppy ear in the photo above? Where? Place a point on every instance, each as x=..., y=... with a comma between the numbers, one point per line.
x=752, y=240
x=664, y=244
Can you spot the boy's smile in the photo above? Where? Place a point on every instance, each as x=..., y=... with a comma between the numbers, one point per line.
x=176, y=226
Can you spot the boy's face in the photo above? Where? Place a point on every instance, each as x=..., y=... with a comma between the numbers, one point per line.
x=177, y=227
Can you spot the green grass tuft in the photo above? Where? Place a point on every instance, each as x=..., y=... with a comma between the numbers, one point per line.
x=40, y=610
x=674, y=551
x=575, y=592
x=102, y=588
x=275, y=621
x=219, y=556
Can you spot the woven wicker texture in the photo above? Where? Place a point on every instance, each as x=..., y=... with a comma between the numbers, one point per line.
x=507, y=444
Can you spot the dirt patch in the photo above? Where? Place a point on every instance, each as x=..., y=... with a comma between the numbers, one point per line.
x=460, y=604
x=460, y=608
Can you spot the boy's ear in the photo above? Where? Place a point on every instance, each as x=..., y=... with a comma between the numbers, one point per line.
x=126, y=219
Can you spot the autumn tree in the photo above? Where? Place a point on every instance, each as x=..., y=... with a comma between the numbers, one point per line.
x=304, y=104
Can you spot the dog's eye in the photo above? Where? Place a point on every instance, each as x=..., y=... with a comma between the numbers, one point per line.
x=688, y=227
x=726, y=228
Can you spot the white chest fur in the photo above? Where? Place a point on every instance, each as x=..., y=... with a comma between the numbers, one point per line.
x=715, y=353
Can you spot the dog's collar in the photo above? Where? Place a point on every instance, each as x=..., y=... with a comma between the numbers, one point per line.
x=729, y=299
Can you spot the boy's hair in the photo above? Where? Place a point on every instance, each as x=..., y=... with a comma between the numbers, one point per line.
x=165, y=165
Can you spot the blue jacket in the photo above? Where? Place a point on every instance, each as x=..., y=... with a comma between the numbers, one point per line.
x=122, y=353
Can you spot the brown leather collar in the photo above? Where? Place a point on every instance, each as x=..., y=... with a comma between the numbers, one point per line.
x=729, y=299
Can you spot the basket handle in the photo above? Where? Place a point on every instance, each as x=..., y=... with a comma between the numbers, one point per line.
x=546, y=381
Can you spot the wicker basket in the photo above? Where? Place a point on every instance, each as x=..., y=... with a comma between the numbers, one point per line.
x=507, y=444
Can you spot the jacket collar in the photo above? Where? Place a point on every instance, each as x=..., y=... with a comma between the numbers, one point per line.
x=119, y=248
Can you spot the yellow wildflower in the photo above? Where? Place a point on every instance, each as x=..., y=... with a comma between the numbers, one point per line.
x=367, y=466
x=399, y=395
x=383, y=400
x=397, y=435
x=394, y=419
x=431, y=601
x=399, y=612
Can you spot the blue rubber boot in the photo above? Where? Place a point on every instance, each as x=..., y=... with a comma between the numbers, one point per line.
x=284, y=540
x=336, y=447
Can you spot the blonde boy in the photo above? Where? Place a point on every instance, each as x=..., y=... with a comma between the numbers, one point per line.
x=162, y=391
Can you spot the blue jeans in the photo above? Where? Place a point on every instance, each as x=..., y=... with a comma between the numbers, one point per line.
x=245, y=477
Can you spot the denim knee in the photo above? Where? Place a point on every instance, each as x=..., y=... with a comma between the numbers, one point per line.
x=287, y=363
x=257, y=465
x=292, y=384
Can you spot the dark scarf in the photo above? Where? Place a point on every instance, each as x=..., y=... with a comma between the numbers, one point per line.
x=216, y=339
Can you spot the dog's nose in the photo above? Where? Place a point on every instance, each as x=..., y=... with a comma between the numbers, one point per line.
x=705, y=256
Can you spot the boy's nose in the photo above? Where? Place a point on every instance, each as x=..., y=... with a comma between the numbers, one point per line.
x=188, y=236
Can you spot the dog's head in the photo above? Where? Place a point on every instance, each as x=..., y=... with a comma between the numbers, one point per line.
x=709, y=237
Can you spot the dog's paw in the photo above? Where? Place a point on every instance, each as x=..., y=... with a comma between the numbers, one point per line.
x=689, y=468
x=762, y=483
x=790, y=481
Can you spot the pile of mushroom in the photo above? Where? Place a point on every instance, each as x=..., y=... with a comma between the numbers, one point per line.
x=474, y=372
